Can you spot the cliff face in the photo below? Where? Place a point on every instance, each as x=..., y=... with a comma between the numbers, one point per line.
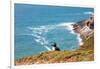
x=85, y=28
x=85, y=53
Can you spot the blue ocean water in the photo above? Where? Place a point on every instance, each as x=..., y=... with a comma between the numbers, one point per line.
x=38, y=26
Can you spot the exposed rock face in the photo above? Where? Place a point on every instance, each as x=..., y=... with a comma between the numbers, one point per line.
x=85, y=27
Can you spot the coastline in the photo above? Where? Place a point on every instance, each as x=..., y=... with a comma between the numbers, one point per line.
x=84, y=53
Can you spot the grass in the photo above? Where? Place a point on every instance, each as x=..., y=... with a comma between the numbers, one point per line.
x=88, y=44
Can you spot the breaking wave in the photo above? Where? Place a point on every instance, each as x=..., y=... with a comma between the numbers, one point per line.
x=38, y=32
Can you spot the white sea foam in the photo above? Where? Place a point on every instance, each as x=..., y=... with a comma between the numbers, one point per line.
x=79, y=39
x=47, y=48
x=36, y=36
x=37, y=40
x=43, y=42
x=38, y=33
x=70, y=27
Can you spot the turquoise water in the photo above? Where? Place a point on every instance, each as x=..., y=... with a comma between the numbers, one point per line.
x=38, y=26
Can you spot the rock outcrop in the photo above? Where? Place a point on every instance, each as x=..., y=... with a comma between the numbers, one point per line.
x=85, y=28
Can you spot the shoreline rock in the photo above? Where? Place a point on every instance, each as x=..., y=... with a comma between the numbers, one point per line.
x=85, y=27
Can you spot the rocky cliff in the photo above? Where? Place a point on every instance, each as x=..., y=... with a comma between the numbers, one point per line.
x=85, y=27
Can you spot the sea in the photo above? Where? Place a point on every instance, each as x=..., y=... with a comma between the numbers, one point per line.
x=37, y=27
